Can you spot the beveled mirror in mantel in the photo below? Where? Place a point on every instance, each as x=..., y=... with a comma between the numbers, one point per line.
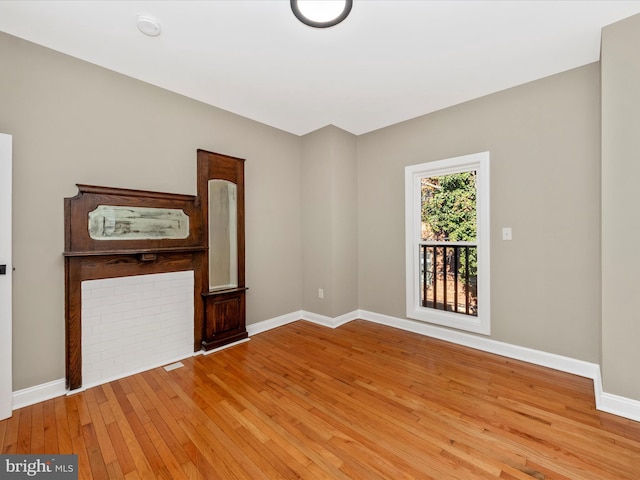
x=221, y=195
x=223, y=234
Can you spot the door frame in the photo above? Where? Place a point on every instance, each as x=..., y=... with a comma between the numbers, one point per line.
x=6, y=386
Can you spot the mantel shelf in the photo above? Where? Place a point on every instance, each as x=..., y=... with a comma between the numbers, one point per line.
x=137, y=251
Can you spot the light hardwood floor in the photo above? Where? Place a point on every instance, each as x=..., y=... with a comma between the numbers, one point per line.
x=363, y=401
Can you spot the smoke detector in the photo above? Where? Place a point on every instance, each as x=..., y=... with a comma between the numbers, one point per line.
x=148, y=25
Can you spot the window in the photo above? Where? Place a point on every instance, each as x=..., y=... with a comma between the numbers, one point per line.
x=447, y=242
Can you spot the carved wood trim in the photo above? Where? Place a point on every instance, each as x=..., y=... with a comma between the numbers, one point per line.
x=89, y=197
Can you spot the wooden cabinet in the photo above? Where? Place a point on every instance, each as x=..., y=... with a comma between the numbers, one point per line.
x=221, y=191
x=224, y=317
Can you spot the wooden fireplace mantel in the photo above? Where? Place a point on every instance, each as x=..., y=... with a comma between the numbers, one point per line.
x=88, y=258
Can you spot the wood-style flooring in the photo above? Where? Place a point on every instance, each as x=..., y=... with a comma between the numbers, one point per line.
x=363, y=401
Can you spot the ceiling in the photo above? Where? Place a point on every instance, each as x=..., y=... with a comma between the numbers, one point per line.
x=390, y=61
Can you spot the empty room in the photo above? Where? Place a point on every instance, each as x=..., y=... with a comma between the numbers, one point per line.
x=336, y=239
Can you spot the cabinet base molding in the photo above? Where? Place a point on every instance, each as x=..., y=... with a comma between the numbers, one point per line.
x=224, y=347
x=224, y=342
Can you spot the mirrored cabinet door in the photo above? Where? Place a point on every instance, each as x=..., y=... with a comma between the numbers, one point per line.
x=223, y=234
x=221, y=192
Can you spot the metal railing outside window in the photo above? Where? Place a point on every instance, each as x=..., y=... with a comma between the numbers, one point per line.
x=449, y=276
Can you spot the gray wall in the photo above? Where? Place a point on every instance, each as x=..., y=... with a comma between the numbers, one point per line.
x=73, y=122
x=344, y=197
x=329, y=221
x=620, y=221
x=544, y=141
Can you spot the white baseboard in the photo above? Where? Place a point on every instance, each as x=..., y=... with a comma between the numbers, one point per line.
x=323, y=320
x=328, y=321
x=606, y=402
x=621, y=406
x=256, y=328
x=39, y=393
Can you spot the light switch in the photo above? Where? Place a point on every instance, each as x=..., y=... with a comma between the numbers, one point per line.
x=506, y=233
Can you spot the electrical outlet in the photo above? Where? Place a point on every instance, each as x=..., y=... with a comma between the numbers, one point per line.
x=320, y=293
x=506, y=233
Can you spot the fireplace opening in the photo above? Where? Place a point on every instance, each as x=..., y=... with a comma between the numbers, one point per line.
x=135, y=323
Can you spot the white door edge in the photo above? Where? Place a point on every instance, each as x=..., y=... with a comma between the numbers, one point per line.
x=5, y=280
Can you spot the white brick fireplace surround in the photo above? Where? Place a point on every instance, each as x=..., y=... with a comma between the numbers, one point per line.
x=132, y=324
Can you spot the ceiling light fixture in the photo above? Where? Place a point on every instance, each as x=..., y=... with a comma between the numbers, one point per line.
x=321, y=13
x=148, y=25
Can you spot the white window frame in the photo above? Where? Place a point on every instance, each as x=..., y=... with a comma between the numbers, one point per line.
x=413, y=230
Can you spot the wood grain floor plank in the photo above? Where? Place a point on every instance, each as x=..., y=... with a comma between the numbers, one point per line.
x=209, y=456
x=162, y=407
x=10, y=444
x=124, y=459
x=191, y=472
x=143, y=442
x=102, y=438
x=163, y=446
x=79, y=448
x=376, y=419
x=285, y=435
x=138, y=399
x=3, y=429
x=63, y=433
x=273, y=466
x=37, y=429
x=361, y=435
x=50, y=427
x=24, y=431
x=114, y=471
x=127, y=447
